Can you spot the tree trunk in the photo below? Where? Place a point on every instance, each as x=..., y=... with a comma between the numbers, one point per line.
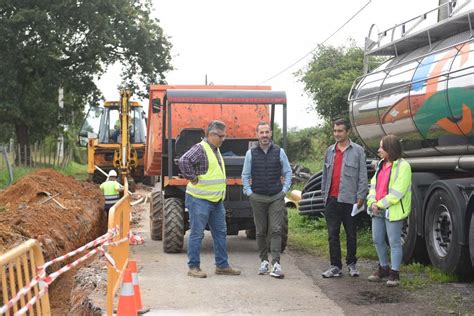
x=23, y=139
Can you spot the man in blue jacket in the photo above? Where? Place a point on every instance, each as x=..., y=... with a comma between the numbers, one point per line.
x=264, y=168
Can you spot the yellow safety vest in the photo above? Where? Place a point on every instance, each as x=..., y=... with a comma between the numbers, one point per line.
x=398, y=199
x=211, y=185
x=111, y=191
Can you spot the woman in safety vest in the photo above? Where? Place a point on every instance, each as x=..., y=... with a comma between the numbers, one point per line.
x=389, y=203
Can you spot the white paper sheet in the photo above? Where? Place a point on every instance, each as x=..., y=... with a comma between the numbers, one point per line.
x=356, y=210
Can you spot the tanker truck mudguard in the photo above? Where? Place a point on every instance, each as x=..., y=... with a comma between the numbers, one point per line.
x=424, y=93
x=178, y=119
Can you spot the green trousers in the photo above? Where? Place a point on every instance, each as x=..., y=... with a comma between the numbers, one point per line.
x=268, y=218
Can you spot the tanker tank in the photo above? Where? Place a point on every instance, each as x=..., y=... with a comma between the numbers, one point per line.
x=424, y=95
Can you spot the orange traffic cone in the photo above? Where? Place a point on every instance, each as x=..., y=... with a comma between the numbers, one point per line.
x=126, y=304
x=132, y=265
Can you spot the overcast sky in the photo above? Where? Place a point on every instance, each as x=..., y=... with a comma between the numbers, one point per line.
x=248, y=41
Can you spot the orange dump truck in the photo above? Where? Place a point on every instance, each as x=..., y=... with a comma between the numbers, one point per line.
x=178, y=119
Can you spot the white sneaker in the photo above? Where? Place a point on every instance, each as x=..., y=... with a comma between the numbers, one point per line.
x=264, y=267
x=276, y=271
x=332, y=272
x=353, y=272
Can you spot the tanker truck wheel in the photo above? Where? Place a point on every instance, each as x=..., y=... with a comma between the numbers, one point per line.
x=156, y=215
x=442, y=222
x=173, y=225
x=414, y=248
x=471, y=240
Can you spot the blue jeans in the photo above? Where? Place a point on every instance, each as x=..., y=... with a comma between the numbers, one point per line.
x=382, y=227
x=202, y=213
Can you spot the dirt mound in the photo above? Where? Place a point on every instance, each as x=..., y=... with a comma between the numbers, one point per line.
x=26, y=212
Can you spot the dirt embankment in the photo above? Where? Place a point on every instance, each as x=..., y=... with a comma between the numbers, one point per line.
x=26, y=212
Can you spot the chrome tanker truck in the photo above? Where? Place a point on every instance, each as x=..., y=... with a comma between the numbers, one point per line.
x=424, y=93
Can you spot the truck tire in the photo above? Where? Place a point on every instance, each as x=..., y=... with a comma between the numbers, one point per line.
x=173, y=225
x=414, y=248
x=251, y=233
x=156, y=215
x=471, y=240
x=441, y=221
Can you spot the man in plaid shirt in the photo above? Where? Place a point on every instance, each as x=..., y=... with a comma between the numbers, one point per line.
x=204, y=167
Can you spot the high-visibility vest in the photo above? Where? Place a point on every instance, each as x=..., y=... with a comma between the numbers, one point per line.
x=211, y=185
x=111, y=192
x=398, y=199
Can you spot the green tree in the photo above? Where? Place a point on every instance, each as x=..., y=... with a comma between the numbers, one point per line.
x=329, y=76
x=51, y=43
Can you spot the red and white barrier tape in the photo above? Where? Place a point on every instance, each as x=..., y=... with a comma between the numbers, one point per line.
x=32, y=302
x=45, y=280
x=98, y=241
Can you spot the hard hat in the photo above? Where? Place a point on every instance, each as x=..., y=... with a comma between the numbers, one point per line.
x=112, y=173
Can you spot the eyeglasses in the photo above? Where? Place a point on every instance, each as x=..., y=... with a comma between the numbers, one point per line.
x=220, y=136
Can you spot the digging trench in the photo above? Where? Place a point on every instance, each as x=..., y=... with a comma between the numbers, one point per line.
x=73, y=218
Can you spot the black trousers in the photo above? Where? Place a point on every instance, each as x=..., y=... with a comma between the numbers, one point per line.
x=337, y=213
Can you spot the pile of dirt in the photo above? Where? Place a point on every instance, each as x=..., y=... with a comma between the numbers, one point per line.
x=26, y=212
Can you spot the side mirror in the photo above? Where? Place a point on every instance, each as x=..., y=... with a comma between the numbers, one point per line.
x=156, y=105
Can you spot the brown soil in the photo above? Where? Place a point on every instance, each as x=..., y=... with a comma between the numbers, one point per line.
x=25, y=215
x=88, y=295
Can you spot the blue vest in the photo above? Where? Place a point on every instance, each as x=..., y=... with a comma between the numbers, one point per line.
x=266, y=171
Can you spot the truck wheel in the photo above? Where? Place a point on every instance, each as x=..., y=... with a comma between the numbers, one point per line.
x=251, y=233
x=471, y=240
x=414, y=248
x=284, y=230
x=156, y=215
x=441, y=221
x=173, y=225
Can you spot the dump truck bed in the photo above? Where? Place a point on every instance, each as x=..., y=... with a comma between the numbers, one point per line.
x=240, y=119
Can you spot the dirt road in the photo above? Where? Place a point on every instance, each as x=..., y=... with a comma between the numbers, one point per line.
x=167, y=289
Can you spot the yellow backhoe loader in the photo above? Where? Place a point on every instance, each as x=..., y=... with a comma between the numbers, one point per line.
x=115, y=138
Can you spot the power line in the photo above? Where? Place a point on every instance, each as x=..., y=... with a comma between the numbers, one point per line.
x=327, y=39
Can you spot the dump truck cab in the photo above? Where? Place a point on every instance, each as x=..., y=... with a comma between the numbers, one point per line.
x=101, y=133
x=178, y=120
